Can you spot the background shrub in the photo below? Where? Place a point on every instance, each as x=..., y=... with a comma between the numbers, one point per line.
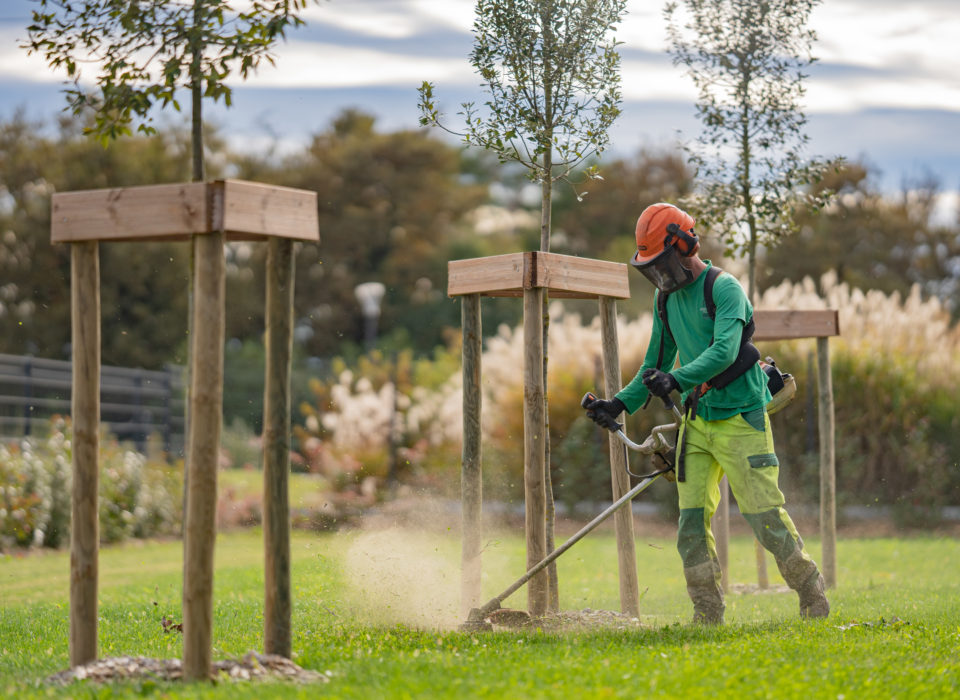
x=139, y=497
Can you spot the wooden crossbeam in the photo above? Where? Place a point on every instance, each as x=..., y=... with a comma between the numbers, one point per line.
x=496, y=273
x=562, y=275
x=791, y=325
x=241, y=210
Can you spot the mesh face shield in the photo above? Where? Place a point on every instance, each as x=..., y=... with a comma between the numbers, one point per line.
x=664, y=270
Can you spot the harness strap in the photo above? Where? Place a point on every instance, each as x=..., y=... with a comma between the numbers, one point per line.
x=682, y=449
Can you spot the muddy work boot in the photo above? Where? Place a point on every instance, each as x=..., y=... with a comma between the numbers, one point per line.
x=813, y=601
x=802, y=575
x=703, y=587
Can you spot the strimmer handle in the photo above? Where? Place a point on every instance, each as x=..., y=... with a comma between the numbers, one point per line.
x=589, y=398
x=667, y=403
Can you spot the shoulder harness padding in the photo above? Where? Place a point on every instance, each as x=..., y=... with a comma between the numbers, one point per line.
x=748, y=355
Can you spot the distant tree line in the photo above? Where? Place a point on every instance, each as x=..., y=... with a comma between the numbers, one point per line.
x=394, y=207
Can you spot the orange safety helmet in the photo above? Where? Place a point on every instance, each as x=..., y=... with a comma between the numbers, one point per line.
x=664, y=235
x=654, y=230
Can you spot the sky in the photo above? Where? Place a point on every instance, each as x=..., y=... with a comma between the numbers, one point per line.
x=885, y=90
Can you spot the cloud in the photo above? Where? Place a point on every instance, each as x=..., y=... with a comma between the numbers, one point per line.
x=911, y=36
x=329, y=65
x=899, y=52
x=887, y=69
x=886, y=90
x=17, y=65
x=393, y=19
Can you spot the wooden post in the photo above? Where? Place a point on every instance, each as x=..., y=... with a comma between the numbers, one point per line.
x=471, y=487
x=206, y=399
x=619, y=479
x=763, y=581
x=828, y=482
x=276, y=448
x=534, y=433
x=721, y=533
x=85, y=414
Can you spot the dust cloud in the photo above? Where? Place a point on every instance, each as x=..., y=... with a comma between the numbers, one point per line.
x=405, y=573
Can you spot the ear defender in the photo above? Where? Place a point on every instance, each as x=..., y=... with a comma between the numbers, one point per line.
x=685, y=242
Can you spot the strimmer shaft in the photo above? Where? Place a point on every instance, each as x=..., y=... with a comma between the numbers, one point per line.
x=494, y=604
x=653, y=443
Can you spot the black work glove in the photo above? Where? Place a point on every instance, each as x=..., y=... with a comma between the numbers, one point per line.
x=659, y=383
x=604, y=412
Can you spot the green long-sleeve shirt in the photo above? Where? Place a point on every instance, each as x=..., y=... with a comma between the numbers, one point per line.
x=705, y=347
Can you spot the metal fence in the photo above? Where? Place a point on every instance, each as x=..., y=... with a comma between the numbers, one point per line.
x=135, y=404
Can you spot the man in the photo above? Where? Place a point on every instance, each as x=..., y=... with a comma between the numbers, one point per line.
x=725, y=429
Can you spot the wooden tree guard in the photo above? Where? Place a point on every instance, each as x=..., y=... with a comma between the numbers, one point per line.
x=529, y=275
x=522, y=274
x=208, y=213
x=775, y=325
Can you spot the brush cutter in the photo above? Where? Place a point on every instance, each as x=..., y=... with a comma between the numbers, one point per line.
x=655, y=443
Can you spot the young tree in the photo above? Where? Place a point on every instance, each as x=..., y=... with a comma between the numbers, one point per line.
x=550, y=69
x=145, y=52
x=748, y=61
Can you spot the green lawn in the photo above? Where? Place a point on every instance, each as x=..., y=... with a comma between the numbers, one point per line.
x=377, y=613
x=306, y=490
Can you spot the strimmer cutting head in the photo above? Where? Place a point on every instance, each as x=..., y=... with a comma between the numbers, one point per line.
x=476, y=622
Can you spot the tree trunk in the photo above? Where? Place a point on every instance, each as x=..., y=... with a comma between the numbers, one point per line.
x=546, y=202
x=759, y=552
x=548, y=15
x=196, y=94
x=197, y=175
x=553, y=582
x=746, y=192
x=546, y=207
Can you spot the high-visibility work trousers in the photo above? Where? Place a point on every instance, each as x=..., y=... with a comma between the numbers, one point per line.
x=742, y=448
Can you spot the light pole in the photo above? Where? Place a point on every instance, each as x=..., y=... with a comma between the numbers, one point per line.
x=369, y=294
